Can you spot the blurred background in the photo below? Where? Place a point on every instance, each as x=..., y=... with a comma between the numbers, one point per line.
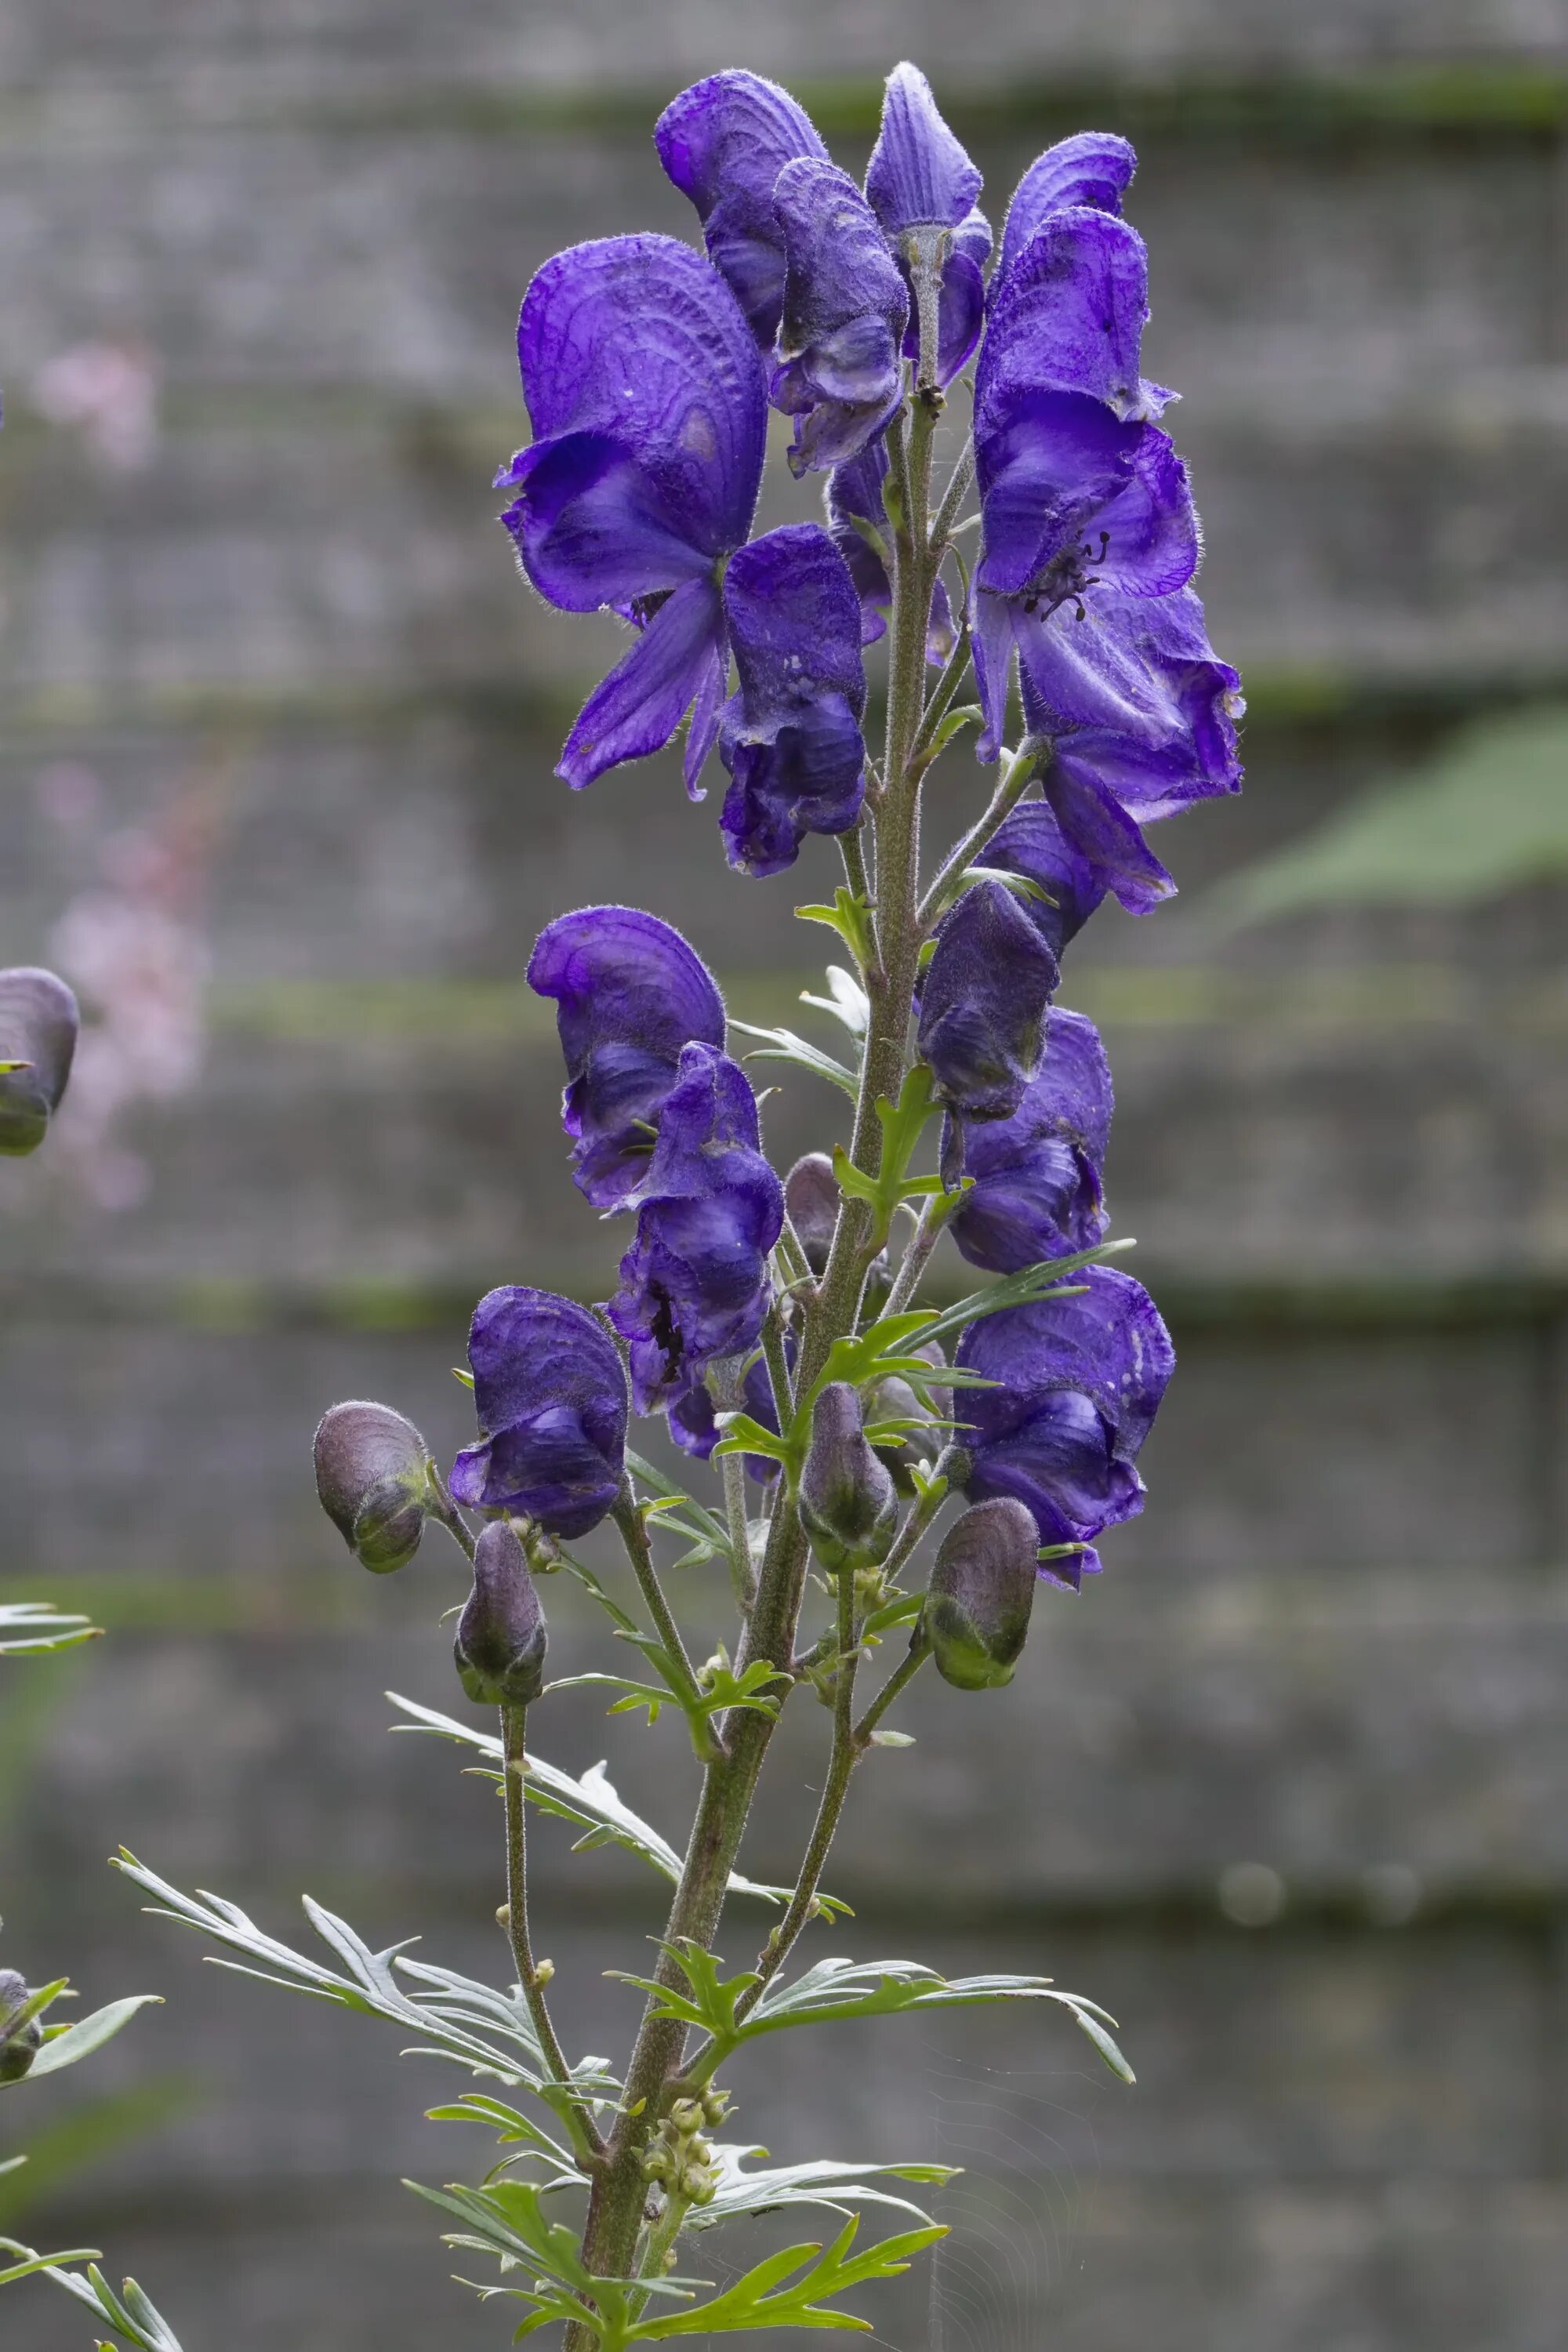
x=1287, y=1790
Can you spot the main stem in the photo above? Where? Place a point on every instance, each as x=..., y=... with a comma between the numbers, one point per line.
x=617, y=2201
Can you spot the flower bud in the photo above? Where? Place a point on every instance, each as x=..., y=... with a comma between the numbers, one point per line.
x=982, y=1589
x=19, y=2045
x=373, y=1475
x=38, y=1021
x=500, y=1643
x=847, y=1506
x=812, y=1197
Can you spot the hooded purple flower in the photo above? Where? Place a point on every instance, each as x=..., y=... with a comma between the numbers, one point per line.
x=550, y=1397
x=630, y=996
x=922, y=188
x=694, y=1418
x=694, y=1284
x=1081, y=1377
x=724, y=142
x=1031, y=843
x=854, y=497
x=791, y=738
x=1092, y=167
x=838, y=372
x=649, y=406
x=983, y=1003
x=1139, y=718
x=1037, y=1190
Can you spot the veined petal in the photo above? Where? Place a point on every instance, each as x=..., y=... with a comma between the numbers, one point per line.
x=590, y=528
x=992, y=640
x=1135, y=690
x=724, y=142
x=1070, y=494
x=639, y=707
x=845, y=311
x=983, y=1003
x=918, y=174
x=1069, y=311
x=1105, y=836
x=1035, y=1190
x=1031, y=843
x=1092, y=167
x=637, y=341
x=550, y=1398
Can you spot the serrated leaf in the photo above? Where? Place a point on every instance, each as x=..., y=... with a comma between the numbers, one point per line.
x=772, y=2295
x=823, y=2182
x=73, y=2042
x=838, y=1989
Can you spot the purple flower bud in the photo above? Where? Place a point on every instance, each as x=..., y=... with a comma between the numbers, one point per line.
x=630, y=994
x=38, y=1022
x=1077, y=1377
x=694, y=1284
x=373, y=1475
x=1035, y=1190
x=19, y=2044
x=838, y=372
x=551, y=1396
x=983, y=1003
x=847, y=1506
x=791, y=737
x=812, y=1199
x=982, y=1591
x=922, y=186
x=501, y=1645
x=724, y=142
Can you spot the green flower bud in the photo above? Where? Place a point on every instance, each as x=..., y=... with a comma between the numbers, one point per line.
x=38, y=1022
x=847, y=1506
x=373, y=1475
x=20, y=2044
x=501, y=1638
x=686, y=2115
x=894, y=1400
x=982, y=1589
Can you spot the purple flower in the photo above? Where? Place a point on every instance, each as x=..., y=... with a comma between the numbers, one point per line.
x=854, y=497
x=1139, y=717
x=922, y=188
x=1031, y=843
x=983, y=1003
x=630, y=996
x=550, y=1397
x=838, y=372
x=791, y=738
x=1036, y=1192
x=1081, y=1377
x=724, y=142
x=1092, y=167
x=649, y=406
x=694, y=1284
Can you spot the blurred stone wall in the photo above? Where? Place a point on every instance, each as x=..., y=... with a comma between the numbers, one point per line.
x=280, y=723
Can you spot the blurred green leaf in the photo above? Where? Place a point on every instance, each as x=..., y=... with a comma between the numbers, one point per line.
x=72, y=2142
x=1489, y=814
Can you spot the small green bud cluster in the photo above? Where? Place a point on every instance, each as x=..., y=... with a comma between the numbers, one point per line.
x=680, y=2159
x=19, y=2043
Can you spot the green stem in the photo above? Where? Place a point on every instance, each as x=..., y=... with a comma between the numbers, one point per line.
x=917, y=1253
x=447, y=1513
x=575, y=2113
x=852, y=849
x=953, y=498
x=1020, y=767
x=632, y=1528
x=842, y=1760
x=777, y=1362
x=897, y=1681
x=914, y=1528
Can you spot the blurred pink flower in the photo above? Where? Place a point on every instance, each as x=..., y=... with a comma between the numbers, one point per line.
x=109, y=392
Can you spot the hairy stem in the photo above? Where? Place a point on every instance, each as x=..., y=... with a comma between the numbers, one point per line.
x=953, y=498
x=579, y=2121
x=897, y=1681
x=1009, y=792
x=632, y=1528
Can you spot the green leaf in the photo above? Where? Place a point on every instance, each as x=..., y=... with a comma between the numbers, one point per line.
x=835, y=1989
x=745, y=1436
x=134, y=2316
x=850, y=917
x=1489, y=814
x=32, y=2262
x=772, y=2295
x=667, y=1492
x=967, y=714
x=590, y=1802
x=783, y=1046
x=37, y=1626
x=69, y=2044
x=903, y=1124
x=825, y=2182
